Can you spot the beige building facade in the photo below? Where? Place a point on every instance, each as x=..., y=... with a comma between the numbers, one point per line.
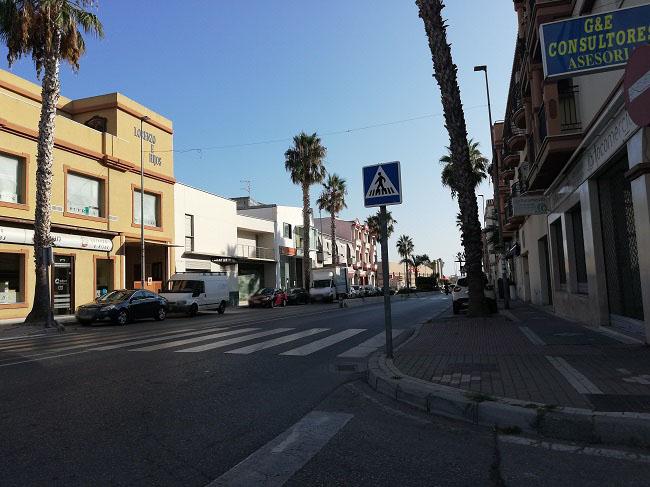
x=95, y=196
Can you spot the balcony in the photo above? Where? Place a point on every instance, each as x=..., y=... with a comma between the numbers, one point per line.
x=510, y=160
x=558, y=134
x=253, y=252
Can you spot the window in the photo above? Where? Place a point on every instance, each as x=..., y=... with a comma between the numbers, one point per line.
x=558, y=248
x=12, y=179
x=85, y=195
x=189, y=233
x=151, y=209
x=103, y=277
x=579, y=249
x=12, y=278
x=286, y=230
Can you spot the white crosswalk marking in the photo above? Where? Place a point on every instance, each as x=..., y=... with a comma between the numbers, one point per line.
x=157, y=339
x=45, y=351
x=178, y=343
x=323, y=342
x=277, y=341
x=366, y=348
x=231, y=341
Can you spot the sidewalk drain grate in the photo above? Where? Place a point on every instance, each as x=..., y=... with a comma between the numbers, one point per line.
x=620, y=402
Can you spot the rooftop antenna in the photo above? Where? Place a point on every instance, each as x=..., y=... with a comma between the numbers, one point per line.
x=246, y=186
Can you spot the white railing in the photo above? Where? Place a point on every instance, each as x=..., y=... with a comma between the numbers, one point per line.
x=254, y=252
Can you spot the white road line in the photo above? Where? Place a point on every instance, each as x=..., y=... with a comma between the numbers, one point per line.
x=278, y=460
x=88, y=345
x=232, y=341
x=323, y=342
x=621, y=337
x=366, y=348
x=178, y=343
x=532, y=336
x=579, y=382
x=40, y=359
x=276, y=341
x=157, y=339
x=580, y=450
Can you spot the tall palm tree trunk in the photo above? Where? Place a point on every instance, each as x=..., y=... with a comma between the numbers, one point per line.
x=51, y=88
x=335, y=250
x=306, y=261
x=445, y=74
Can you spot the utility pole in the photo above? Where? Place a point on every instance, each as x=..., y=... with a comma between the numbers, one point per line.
x=495, y=176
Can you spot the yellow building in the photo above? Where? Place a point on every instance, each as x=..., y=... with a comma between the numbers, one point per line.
x=95, y=196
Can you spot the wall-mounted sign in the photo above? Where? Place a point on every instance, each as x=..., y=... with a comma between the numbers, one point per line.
x=593, y=43
x=65, y=240
x=637, y=86
x=290, y=251
x=529, y=205
x=151, y=139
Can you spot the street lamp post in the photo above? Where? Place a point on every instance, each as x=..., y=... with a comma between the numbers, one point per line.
x=495, y=176
x=142, y=260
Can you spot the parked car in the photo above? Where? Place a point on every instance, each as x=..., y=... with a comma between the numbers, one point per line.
x=124, y=306
x=297, y=295
x=460, y=295
x=191, y=292
x=268, y=297
x=355, y=291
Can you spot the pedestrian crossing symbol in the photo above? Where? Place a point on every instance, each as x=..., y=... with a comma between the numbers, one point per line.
x=382, y=184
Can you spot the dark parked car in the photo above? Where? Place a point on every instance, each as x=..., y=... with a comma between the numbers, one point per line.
x=123, y=306
x=268, y=297
x=298, y=295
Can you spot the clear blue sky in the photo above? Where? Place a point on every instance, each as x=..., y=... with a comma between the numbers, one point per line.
x=230, y=72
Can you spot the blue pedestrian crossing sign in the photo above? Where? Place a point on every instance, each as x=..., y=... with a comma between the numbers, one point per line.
x=382, y=184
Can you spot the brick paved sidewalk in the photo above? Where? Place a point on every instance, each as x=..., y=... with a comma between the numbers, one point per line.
x=538, y=357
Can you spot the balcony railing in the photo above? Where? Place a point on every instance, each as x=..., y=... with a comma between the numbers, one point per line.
x=569, y=117
x=254, y=252
x=542, y=130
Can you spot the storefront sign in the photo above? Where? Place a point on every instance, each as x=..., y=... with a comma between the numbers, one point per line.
x=529, y=205
x=593, y=43
x=290, y=251
x=64, y=240
x=151, y=139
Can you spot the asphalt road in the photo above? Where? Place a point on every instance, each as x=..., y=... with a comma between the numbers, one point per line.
x=73, y=415
x=171, y=404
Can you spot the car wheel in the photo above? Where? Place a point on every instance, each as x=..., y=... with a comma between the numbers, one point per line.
x=272, y=305
x=122, y=318
x=455, y=307
x=161, y=314
x=284, y=303
x=194, y=310
x=222, y=307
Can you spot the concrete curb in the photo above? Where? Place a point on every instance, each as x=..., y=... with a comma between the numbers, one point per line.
x=574, y=424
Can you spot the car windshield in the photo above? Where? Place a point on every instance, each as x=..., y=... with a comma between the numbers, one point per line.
x=265, y=291
x=182, y=286
x=115, y=296
x=296, y=290
x=322, y=283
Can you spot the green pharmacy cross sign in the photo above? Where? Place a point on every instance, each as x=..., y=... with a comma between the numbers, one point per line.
x=593, y=43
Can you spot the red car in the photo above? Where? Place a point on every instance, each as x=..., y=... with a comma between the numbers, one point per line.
x=268, y=297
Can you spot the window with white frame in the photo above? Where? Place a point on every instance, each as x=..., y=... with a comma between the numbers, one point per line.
x=85, y=195
x=189, y=233
x=151, y=203
x=12, y=179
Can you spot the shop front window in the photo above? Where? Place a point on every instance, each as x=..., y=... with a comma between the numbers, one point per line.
x=103, y=277
x=151, y=203
x=12, y=278
x=12, y=179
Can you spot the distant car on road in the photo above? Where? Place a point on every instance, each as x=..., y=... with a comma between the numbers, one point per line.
x=268, y=297
x=460, y=295
x=124, y=306
x=297, y=295
x=355, y=291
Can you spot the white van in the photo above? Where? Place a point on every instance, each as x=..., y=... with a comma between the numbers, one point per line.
x=191, y=292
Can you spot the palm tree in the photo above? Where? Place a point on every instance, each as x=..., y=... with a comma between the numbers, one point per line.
x=419, y=260
x=479, y=167
x=430, y=12
x=374, y=224
x=332, y=199
x=405, y=249
x=49, y=31
x=304, y=162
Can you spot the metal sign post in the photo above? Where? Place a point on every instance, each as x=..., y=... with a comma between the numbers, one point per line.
x=382, y=185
